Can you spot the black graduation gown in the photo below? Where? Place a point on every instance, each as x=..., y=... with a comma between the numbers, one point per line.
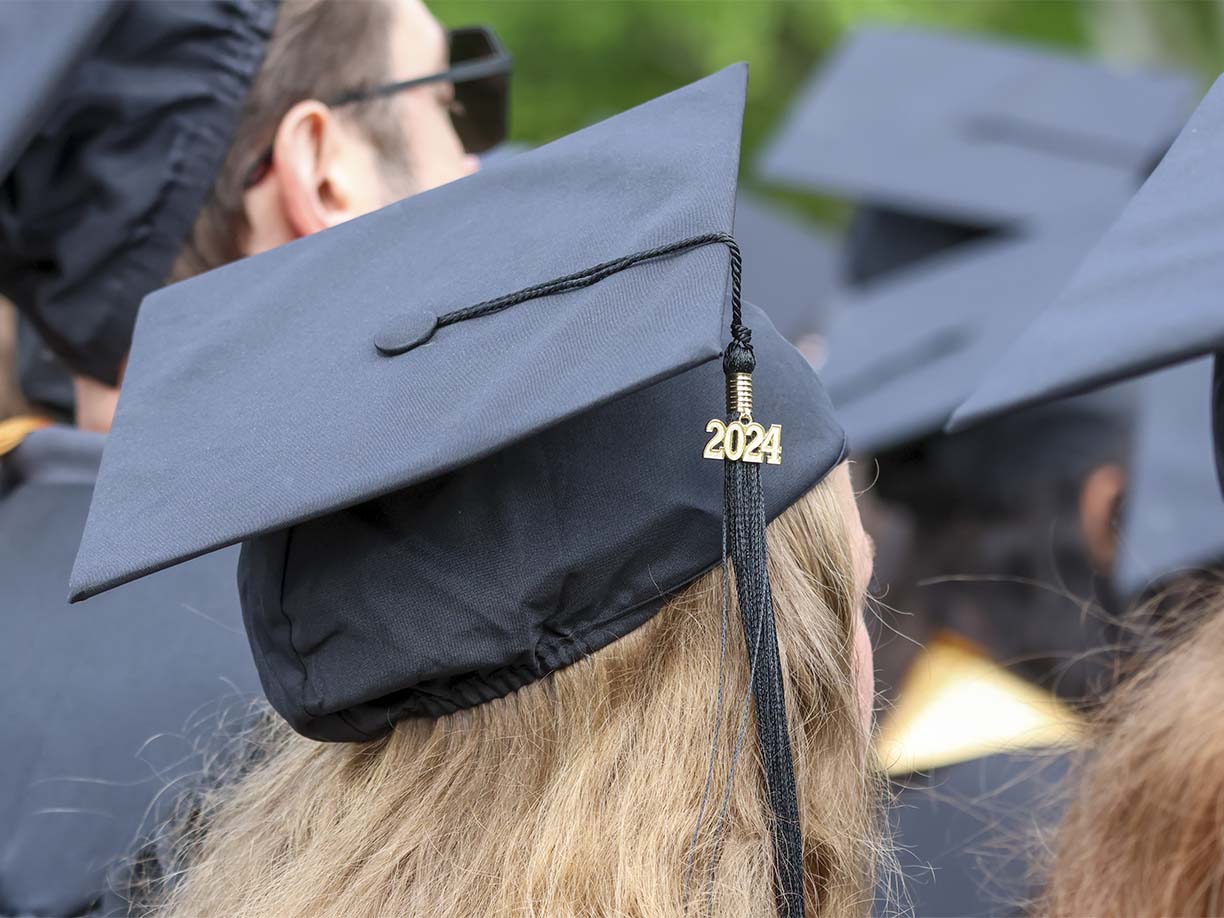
x=966, y=833
x=975, y=756
x=106, y=703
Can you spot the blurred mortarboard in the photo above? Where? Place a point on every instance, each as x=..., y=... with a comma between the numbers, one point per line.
x=1171, y=521
x=790, y=268
x=903, y=354
x=1144, y=298
x=115, y=120
x=461, y=445
x=972, y=130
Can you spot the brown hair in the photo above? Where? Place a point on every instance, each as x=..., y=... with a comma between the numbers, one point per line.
x=578, y=794
x=318, y=49
x=1144, y=832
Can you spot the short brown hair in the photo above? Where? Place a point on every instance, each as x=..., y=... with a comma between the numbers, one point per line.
x=319, y=49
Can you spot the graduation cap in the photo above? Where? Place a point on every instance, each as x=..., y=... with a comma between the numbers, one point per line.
x=1144, y=298
x=904, y=353
x=974, y=131
x=115, y=120
x=461, y=438
x=1171, y=520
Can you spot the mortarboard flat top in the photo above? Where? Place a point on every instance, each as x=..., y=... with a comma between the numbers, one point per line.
x=904, y=354
x=978, y=131
x=1171, y=520
x=1146, y=297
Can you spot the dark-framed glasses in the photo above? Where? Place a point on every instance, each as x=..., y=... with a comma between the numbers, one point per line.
x=479, y=71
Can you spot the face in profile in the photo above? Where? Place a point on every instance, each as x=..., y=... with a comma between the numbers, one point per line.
x=432, y=154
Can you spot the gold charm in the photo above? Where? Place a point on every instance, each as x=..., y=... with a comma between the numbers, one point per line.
x=743, y=440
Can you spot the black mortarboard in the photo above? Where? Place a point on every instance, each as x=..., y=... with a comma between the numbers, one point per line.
x=972, y=130
x=903, y=354
x=115, y=121
x=1171, y=520
x=461, y=437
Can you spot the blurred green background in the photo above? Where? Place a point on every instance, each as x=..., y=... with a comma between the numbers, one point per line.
x=577, y=61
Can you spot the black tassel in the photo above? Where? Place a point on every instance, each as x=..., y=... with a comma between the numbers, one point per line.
x=744, y=506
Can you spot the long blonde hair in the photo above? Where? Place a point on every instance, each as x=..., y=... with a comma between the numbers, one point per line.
x=576, y=795
x=1144, y=831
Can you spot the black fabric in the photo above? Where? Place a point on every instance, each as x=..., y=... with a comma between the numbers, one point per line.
x=103, y=195
x=106, y=706
x=539, y=555
x=967, y=835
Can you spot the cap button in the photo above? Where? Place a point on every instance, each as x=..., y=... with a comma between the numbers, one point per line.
x=405, y=332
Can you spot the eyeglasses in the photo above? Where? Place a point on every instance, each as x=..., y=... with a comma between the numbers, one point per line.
x=480, y=73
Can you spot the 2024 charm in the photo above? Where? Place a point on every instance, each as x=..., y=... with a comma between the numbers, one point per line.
x=743, y=440
x=747, y=442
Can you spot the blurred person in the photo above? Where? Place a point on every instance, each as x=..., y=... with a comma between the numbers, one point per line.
x=1005, y=537
x=978, y=190
x=1141, y=834
x=109, y=706
x=497, y=605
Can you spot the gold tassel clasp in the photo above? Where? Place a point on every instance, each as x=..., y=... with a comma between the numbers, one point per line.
x=742, y=440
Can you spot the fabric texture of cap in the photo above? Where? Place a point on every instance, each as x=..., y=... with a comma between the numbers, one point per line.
x=973, y=130
x=435, y=516
x=112, y=136
x=1147, y=295
x=1171, y=520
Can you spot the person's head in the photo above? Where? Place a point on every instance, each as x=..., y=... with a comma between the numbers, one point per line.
x=579, y=794
x=1144, y=830
x=298, y=165
x=1012, y=530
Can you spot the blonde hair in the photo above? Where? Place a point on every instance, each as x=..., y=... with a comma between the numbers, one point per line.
x=1144, y=831
x=576, y=795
